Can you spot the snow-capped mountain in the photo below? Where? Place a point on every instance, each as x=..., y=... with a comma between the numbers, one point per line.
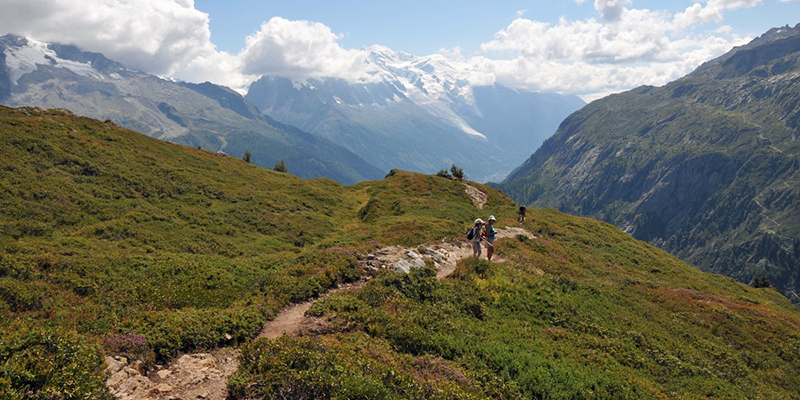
x=216, y=118
x=24, y=59
x=419, y=113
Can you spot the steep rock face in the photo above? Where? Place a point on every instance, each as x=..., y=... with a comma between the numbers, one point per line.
x=419, y=113
x=5, y=80
x=206, y=115
x=705, y=167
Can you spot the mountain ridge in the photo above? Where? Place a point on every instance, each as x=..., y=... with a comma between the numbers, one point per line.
x=703, y=166
x=419, y=104
x=216, y=118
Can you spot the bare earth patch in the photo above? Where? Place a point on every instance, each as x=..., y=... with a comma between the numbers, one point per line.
x=190, y=376
x=479, y=197
x=510, y=232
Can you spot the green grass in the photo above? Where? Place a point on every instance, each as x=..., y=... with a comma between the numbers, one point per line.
x=582, y=312
x=112, y=243
x=115, y=236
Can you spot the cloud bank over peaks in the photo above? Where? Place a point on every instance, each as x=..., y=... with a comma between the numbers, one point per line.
x=172, y=38
x=301, y=50
x=622, y=47
x=157, y=36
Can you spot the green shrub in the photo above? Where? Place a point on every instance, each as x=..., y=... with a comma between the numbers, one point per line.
x=474, y=267
x=280, y=166
x=169, y=332
x=419, y=285
x=593, y=326
x=760, y=281
x=39, y=364
x=130, y=345
x=353, y=368
x=457, y=172
x=22, y=296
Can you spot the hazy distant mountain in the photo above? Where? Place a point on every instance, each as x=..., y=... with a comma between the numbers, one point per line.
x=706, y=167
x=214, y=117
x=420, y=113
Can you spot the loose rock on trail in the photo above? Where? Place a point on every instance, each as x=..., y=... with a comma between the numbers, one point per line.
x=205, y=375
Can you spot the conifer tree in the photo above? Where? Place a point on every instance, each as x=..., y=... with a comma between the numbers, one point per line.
x=457, y=172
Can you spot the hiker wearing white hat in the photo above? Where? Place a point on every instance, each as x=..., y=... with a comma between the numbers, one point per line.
x=488, y=233
x=474, y=235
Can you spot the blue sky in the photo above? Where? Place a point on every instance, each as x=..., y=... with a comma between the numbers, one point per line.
x=590, y=48
x=416, y=27
x=423, y=27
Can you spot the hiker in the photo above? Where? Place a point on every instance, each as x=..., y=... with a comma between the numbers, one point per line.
x=474, y=235
x=489, y=233
x=522, y=213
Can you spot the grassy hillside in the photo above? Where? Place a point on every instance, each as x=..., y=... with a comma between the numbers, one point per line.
x=112, y=240
x=113, y=243
x=583, y=311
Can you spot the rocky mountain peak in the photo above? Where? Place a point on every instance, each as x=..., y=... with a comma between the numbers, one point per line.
x=419, y=114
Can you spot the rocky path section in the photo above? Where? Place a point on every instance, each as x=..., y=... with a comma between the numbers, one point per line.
x=479, y=197
x=444, y=255
x=205, y=375
x=292, y=321
x=190, y=376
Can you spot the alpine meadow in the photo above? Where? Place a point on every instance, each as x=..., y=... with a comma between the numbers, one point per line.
x=443, y=200
x=115, y=244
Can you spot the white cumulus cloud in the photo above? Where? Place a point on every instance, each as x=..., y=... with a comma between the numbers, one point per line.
x=171, y=38
x=712, y=11
x=611, y=10
x=156, y=36
x=623, y=48
x=300, y=49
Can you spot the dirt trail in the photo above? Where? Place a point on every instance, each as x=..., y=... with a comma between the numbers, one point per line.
x=479, y=197
x=292, y=320
x=205, y=375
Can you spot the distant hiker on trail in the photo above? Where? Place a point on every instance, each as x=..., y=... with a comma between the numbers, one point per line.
x=489, y=233
x=522, y=213
x=474, y=235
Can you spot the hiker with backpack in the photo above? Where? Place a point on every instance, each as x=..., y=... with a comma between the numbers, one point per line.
x=475, y=235
x=522, y=210
x=488, y=233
